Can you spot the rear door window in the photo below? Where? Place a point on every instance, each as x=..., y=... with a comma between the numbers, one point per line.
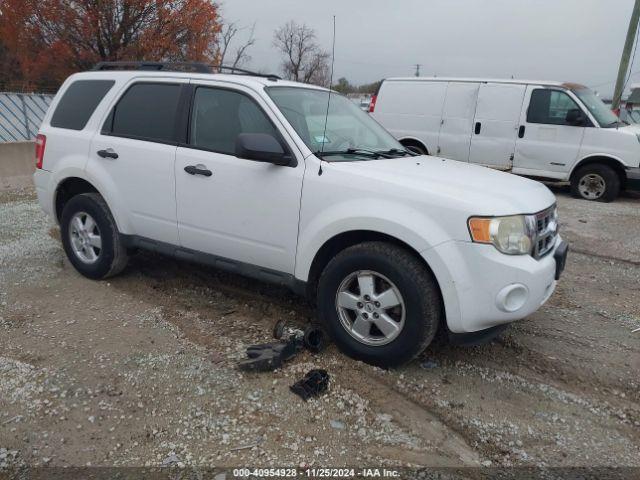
x=147, y=111
x=79, y=102
x=550, y=107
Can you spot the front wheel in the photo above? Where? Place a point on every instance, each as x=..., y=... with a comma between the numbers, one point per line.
x=380, y=303
x=596, y=182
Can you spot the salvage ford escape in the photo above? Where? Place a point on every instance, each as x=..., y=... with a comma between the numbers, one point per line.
x=251, y=174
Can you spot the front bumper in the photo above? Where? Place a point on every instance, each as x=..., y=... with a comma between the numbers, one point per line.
x=483, y=288
x=633, y=179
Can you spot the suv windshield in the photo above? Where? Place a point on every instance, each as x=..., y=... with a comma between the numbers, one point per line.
x=603, y=114
x=351, y=134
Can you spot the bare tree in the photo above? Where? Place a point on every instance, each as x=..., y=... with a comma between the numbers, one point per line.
x=303, y=59
x=239, y=55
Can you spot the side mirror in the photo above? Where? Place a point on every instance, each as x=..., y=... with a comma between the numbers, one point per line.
x=261, y=147
x=575, y=118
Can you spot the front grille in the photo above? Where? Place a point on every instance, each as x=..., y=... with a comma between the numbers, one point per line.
x=546, y=231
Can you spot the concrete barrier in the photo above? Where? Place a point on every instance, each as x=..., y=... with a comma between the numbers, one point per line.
x=17, y=164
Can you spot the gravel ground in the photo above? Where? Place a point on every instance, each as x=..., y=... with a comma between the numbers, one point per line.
x=140, y=370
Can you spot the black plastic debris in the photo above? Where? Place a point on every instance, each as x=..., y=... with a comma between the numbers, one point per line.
x=314, y=383
x=269, y=356
x=315, y=339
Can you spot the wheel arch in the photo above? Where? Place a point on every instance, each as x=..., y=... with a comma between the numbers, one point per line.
x=66, y=189
x=75, y=183
x=344, y=240
x=413, y=141
x=604, y=159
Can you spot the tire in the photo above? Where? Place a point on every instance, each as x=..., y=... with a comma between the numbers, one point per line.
x=415, y=147
x=107, y=260
x=596, y=182
x=391, y=267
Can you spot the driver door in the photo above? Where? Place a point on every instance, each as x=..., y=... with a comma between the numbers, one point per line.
x=241, y=210
x=549, y=137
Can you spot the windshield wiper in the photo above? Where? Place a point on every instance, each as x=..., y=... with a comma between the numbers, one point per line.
x=355, y=151
x=403, y=152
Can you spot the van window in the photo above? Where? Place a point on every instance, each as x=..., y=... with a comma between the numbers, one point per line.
x=79, y=102
x=147, y=111
x=219, y=116
x=550, y=107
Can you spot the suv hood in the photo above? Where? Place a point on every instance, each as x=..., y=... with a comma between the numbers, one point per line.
x=455, y=184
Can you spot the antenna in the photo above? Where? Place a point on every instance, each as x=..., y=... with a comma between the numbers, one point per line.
x=326, y=117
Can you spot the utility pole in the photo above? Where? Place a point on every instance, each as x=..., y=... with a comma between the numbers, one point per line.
x=626, y=54
x=418, y=65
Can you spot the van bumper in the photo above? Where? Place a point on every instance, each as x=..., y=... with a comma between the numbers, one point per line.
x=483, y=288
x=633, y=179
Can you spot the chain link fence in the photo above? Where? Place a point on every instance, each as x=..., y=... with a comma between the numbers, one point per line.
x=21, y=115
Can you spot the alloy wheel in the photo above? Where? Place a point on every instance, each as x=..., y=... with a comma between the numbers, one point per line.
x=370, y=307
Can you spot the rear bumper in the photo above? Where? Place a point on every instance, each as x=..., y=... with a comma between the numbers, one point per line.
x=42, y=181
x=633, y=178
x=483, y=288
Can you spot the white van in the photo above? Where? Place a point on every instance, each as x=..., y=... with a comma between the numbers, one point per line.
x=551, y=130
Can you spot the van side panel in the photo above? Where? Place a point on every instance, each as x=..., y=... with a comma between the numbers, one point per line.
x=457, y=120
x=496, y=124
x=412, y=109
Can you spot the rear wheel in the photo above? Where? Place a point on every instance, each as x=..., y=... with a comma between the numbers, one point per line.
x=380, y=304
x=596, y=182
x=90, y=237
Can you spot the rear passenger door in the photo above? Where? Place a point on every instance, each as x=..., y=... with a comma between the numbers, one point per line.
x=496, y=124
x=245, y=212
x=135, y=154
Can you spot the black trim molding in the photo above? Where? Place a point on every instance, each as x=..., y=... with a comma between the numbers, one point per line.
x=234, y=266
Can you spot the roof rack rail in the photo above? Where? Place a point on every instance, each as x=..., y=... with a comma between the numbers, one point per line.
x=164, y=66
x=193, y=67
x=241, y=71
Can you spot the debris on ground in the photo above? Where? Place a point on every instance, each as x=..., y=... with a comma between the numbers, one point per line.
x=314, y=384
x=266, y=357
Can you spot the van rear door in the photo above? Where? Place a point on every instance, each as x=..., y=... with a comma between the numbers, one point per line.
x=457, y=120
x=495, y=126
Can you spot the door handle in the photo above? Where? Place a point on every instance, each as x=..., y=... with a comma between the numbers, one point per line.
x=108, y=153
x=478, y=128
x=521, y=131
x=198, y=170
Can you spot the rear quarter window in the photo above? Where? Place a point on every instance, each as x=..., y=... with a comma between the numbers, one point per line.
x=79, y=102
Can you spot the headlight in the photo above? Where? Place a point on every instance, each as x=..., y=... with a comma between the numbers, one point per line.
x=511, y=235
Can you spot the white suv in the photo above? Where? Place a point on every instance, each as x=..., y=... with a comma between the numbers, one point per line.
x=250, y=174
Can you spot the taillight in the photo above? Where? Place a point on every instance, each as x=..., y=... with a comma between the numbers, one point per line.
x=41, y=142
x=372, y=105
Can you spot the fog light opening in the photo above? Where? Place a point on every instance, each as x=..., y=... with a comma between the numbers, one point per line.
x=512, y=298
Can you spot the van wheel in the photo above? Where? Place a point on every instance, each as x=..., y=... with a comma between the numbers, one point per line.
x=415, y=147
x=596, y=182
x=379, y=303
x=90, y=237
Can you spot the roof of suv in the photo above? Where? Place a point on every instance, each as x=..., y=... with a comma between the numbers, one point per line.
x=248, y=80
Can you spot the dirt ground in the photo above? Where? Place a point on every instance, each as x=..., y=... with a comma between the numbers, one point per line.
x=141, y=370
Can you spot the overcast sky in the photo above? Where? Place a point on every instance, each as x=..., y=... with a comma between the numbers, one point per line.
x=568, y=40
